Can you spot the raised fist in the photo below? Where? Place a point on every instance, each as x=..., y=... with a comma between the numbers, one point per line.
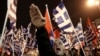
x=36, y=17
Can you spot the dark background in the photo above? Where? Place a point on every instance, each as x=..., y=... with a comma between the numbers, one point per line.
x=76, y=8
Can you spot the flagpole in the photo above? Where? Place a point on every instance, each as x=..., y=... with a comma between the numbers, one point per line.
x=5, y=22
x=3, y=47
x=21, y=45
x=13, y=42
x=83, y=38
x=75, y=32
x=76, y=35
x=72, y=26
x=69, y=40
x=82, y=30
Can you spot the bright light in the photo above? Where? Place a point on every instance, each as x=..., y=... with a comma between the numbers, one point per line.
x=90, y=2
x=97, y=3
x=93, y=2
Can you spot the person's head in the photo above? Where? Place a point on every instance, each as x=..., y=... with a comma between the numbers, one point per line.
x=87, y=51
x=67, y=52
x=58, y=47
x=7, y=53
x=26, y=50
x=74, y=51
x=32, y=53
x=97, y=51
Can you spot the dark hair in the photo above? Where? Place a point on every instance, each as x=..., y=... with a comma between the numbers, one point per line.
x=74, y=52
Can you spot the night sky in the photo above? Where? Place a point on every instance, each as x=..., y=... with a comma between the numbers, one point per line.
x=76, y=9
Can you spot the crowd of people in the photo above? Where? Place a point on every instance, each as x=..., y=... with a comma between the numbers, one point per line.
x=20, y=42
x=40, y=45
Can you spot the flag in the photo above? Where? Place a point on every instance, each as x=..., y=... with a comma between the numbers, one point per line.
x=52, y=38
x=65, y=40
x=57, y=33
x=7, y=41
x=31, y=41
x=12, y=13
x=24, y=31
x=48, y=26
x=62, y=18
x=80, y=34
x=90, y=33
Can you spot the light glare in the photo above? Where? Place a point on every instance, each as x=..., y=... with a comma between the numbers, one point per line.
x=97, y=3
x=90, y=2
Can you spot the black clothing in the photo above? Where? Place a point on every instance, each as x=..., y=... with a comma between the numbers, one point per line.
x=44, y=46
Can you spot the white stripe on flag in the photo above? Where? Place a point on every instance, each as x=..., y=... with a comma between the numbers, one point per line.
x=60, y=12
x=12, y=14
x=64, y=23
x=14, y=6
x=66, y=41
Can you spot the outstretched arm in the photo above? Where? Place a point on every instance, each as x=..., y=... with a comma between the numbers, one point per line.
x=44, y=46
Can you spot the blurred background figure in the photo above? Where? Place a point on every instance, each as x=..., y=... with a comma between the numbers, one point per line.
x=60, y=49
x=88, y=51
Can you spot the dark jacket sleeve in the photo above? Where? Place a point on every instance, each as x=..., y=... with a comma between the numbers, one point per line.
x=44, y=46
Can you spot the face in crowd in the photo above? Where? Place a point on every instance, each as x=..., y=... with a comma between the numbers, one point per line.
x=58, y=47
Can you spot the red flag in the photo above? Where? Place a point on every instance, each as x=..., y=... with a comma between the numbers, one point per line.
x=91, y=25
x=48, y=25
x=0, y=50
x=57, y=33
